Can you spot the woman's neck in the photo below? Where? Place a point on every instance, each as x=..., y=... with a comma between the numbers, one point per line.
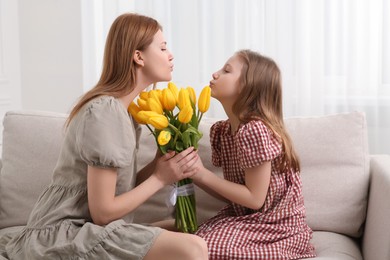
x=140, y=85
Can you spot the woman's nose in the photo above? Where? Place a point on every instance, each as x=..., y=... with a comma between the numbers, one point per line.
x=170, y=56
x=215, y=75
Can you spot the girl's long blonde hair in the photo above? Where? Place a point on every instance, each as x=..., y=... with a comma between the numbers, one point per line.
x=128, y=33
x=261, y=98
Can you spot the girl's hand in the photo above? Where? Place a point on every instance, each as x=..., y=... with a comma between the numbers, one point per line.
x=198, y=167
x=172, y=167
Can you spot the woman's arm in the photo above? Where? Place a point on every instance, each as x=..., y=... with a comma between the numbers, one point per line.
x=105, y=207
x=145, y=172
x=251, y=195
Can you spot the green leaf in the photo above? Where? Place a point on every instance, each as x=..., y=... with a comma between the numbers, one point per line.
x=164, y=149
x=179, y=146
x=185, y=137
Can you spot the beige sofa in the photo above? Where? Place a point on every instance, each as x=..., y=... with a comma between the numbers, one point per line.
x=346, y=189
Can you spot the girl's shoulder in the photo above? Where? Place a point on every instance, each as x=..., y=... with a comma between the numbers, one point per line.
x=220, y=127
x=254, y=127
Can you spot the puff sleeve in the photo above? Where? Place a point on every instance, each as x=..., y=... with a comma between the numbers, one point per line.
x=105, y=137
x=256, y=144
x=215, y=141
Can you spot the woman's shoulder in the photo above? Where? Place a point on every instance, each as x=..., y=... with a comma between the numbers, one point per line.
x=101, y=103
x=104, y=107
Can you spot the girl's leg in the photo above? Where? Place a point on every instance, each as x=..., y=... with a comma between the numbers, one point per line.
x=172, y=245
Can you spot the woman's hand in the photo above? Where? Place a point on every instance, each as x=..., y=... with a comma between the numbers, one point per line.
x=173, y=167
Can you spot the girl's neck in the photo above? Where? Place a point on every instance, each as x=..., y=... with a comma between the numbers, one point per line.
x=233, y=119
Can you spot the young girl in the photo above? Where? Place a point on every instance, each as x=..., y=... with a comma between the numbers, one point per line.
x=86, y=211
x=265, y=215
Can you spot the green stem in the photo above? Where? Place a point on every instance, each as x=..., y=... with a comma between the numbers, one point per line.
x=176, y=135
x=182, y=207
x=201, y=115
x=151, y=130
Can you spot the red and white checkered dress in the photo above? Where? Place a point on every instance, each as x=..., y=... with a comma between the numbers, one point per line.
x=278, y=230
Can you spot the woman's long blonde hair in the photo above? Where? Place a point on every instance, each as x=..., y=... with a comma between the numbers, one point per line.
x=261, y=98
x=128, y=33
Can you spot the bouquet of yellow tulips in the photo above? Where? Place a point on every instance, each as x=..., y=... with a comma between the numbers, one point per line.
x=175, y=120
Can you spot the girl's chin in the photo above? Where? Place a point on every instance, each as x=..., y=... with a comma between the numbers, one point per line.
x=213, y=94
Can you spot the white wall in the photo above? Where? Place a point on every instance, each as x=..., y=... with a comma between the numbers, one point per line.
x=10, y=97
x=51, y=54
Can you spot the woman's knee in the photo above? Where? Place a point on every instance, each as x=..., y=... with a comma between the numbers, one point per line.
x=200, y=246
x=172, y=245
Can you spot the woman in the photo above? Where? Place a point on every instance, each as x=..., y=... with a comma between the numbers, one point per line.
x=81, y=215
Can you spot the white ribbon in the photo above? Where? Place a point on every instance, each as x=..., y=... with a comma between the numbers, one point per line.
x=185, y=190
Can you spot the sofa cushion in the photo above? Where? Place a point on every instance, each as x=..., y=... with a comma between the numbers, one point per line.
x=330, y=246
x=31, y=144
x=335, y=170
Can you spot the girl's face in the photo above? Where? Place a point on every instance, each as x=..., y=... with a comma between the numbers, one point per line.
x=158, y=64
x=225, y=83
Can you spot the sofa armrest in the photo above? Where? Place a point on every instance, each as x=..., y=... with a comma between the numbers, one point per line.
x=376, y=239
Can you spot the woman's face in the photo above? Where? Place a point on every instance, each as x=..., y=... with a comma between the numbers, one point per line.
x=158, y=64
x=225, y=83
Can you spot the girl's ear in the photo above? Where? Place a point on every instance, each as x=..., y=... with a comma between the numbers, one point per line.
x=138, y=58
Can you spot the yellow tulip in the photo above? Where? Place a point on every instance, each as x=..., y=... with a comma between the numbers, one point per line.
x=143, y=104
x=155, y=105
x=144, y=95
x=146, y=115
x=164, y=137
x=133, y=109
x=174, y=89
x=184, y=98
x=158, y=122
x=154, y=94
x=159, y=94
x=168, y=99
x=204, y=99
x=185, y=114
x=192, y=94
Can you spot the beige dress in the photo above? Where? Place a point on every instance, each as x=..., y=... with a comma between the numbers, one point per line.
x=60, y=227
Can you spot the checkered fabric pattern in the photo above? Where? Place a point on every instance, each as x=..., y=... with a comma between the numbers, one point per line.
x=278, y=230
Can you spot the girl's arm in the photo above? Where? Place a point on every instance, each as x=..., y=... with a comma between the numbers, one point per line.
x=210, y=191
x=251, y=195
x=105, y=207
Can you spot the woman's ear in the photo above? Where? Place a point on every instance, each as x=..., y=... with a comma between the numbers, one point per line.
x=138, y=58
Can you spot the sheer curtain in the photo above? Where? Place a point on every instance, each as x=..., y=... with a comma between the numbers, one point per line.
x=334, y=54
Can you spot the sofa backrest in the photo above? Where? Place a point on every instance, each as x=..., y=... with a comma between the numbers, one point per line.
x=335, y=170
x=31, y=145
x=333, y=152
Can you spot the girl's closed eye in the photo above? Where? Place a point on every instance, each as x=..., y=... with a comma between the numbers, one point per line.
x=226, y=68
